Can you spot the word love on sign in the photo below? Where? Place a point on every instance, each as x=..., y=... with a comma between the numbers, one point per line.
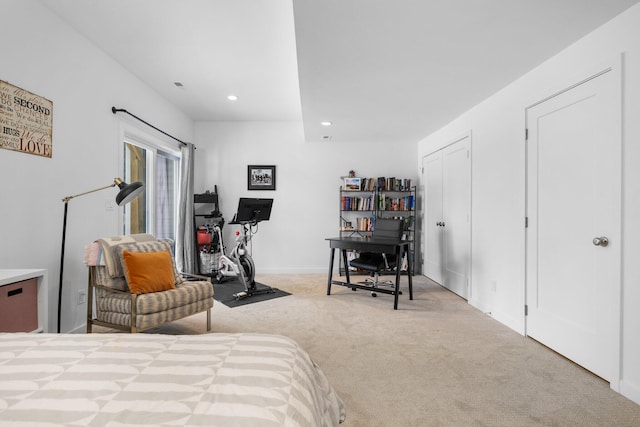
x=25, y=121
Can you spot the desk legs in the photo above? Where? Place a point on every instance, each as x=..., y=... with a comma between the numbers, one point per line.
x=348, y=283
x=331, y=258
x=409, y=272
x=409, y=276
x=345, y=262
x=397, y=292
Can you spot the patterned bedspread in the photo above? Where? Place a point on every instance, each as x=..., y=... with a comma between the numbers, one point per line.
x=162, y=380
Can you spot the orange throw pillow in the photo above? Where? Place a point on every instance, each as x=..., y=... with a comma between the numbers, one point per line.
x=148, y=271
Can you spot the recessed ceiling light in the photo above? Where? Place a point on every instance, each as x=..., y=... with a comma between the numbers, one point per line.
x=232, y=97
x=326, y=123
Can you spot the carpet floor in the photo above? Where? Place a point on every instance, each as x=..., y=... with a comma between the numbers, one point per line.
x=436, y=361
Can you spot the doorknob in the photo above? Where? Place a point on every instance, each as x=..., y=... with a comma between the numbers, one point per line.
x=601, y=241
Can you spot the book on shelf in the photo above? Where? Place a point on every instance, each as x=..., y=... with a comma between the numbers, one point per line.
x=361, y=223
x=387, y=203
x=381, y=183
x=359, y=184
x=393, y=184
x=355, y=203
x=368, y=184
x=365, y=224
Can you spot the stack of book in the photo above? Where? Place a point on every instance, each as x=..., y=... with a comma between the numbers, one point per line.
x=393, y=184
x=368, y=184
x=365, y=224
x=350, y=203
x=406, y=203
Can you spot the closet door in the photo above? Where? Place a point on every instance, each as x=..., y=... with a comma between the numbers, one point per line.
x=432, y=249
x=456, y=216
x=447, y=247
x=574, y=210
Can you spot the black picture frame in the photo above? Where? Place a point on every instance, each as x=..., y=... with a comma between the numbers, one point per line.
x=261, y=177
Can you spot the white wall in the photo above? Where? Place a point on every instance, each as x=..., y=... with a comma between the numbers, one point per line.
x=306, y=201
x=48, y=58
x=498, y=179
x=54, y=61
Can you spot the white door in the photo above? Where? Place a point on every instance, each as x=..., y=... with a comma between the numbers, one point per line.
x=456, y=216
x=447, y=240
x=432, y=246
x=574, y=198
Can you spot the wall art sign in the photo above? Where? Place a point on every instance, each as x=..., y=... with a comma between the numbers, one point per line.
x=26, y=121
x=261, y=177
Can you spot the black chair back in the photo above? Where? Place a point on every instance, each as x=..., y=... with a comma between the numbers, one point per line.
x=388, y=228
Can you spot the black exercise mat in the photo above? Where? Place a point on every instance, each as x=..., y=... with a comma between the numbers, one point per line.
x=223, y=292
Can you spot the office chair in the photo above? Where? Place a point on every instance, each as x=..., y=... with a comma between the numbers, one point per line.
x=384, y=228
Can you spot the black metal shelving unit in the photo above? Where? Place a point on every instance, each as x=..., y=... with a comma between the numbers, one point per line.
x=206, y=214
x=360, y=208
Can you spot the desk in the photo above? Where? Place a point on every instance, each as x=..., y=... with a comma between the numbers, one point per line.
x=388, y=246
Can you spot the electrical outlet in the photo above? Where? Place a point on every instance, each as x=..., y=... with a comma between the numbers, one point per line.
x=82, y=297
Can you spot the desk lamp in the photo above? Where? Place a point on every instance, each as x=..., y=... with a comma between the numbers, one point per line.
x=127, y=193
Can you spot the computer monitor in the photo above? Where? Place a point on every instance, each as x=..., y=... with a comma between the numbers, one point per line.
x=253, y=210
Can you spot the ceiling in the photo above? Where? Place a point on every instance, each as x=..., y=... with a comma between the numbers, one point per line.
x=380, y=70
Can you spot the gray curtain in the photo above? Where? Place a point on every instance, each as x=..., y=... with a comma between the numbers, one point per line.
x=185, y=235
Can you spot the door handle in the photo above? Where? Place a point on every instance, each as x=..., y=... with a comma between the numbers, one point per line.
x=601, y=241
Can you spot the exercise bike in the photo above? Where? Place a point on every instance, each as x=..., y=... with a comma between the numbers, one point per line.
x=239, y=263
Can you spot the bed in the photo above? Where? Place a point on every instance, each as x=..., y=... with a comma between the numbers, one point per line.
x=162, y=380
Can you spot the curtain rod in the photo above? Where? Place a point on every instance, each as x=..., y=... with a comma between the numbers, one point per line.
x=115, y=110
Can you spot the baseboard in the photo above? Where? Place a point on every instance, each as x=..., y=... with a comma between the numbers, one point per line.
x=301, y=270
x=79, y=330
x=509, y=321
x=630, y=391
x=517, y=324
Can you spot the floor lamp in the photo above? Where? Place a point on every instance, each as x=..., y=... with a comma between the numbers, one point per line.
x=127, y=193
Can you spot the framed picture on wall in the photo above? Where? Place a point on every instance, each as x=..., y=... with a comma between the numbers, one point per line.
x=260, y=177
x=352, y=184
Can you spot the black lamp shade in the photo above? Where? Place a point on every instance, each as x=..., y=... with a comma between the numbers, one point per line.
x=128, y=192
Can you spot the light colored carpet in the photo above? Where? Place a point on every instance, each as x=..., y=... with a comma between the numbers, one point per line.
x=436, y=361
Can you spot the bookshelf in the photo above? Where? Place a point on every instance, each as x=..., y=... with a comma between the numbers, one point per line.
x=206, y=214
x=377, y=198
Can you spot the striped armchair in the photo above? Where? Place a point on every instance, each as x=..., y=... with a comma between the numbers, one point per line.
x=117, y=307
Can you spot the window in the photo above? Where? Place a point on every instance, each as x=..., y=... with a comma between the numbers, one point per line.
x=166, y=195
x=135, y=169
x=157, y=166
